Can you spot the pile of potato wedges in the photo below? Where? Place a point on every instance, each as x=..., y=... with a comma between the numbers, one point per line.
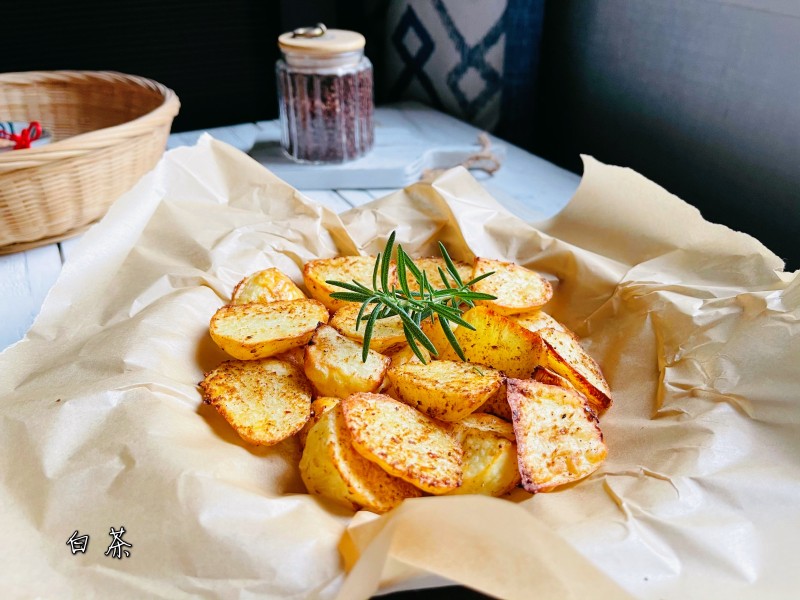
x=522, y=410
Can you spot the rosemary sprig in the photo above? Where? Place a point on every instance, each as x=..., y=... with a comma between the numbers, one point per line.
x=413, y=307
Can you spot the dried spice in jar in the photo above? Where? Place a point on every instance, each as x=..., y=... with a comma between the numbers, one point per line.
x=324, y=95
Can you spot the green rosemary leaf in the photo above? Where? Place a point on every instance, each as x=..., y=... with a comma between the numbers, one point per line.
x=448, y=333
x=444, y=277
x=479, y=278
x=402, y=276
x=387, y=263
x=349, y=296
x=413, y=345
x=373, y=316
x=451, y=267
x=375, y=271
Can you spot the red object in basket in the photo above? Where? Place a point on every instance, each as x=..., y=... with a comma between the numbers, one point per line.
x=24, y=138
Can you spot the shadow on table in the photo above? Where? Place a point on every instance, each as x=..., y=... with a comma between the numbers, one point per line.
x=454, y=592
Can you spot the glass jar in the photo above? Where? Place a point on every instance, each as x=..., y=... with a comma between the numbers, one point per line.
x=325, y=89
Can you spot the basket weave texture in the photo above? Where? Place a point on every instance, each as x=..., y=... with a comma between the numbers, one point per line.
x=108, y=130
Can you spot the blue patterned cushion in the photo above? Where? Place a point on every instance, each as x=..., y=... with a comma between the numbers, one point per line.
x=475, y=59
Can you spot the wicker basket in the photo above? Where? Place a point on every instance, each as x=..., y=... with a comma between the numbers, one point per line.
x=108, y=130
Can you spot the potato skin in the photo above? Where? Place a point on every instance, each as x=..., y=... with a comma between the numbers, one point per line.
x=252, y=331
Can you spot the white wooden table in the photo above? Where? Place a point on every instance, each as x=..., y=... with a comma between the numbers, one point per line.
x=409, y=137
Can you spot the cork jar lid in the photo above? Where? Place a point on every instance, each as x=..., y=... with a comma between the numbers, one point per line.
x=319, y=40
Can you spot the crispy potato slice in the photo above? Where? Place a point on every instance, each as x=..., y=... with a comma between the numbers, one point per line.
x=333, y=364
x=498, y=342
x=497, y=404
x=402, y=356
x=265, y=401
x=488, y=423
x=445, y=389
x=404, y=442
x=265, y=286
x=430, y=266
x=490, y=455
x=559, y=352
x=537, y=319
x=387, y=334
x=517, y=289
x=341, y=268
x=251, y=331
x=332, y=468
x=558, y=435
x=543, y=375
x=318, y=408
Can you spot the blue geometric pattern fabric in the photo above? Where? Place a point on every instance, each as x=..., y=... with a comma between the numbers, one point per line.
x=449, y=54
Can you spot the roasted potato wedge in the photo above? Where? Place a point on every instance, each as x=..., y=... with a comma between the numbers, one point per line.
x=498, y=342
x=387, y=334
x=265, y=401
x=252, y=331
x=536, y=320
x=319, y=407
x=402, y=356
x=431, y=265
x=517, y=289
x=266, y=286
x=544, y=375
x=559, y=352
x=490, y=455
x=444, y=389
x=497, y=404
x=404, y=442
x=332, y=468
x=347, y=269
x=333, y=364
x=558, y=435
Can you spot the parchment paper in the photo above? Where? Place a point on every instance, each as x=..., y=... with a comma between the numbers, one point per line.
x=102, y=425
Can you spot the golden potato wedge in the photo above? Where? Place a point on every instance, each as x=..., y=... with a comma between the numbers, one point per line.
x=517, y=289
x=341, y=268
x=488, y=423
x=387, y=334
x=332, y=468
x=497, y=404
x=433, y=329
x=498, y=342
x=490, y=455
x=559, y=352
x=544, y=375
x=430, y=266
x=402, y=356
x=319, y=407
x=251, y=331
x=445, y=389
x=558, y=435
x=265, y=400
x=333, y=364
x=537, y=319
x=265, y=286
x=404, y=442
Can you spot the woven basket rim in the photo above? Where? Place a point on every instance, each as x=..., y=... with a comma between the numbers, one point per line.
x=91, y=140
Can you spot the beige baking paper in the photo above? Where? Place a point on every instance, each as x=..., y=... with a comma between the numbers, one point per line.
x=102, y=425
